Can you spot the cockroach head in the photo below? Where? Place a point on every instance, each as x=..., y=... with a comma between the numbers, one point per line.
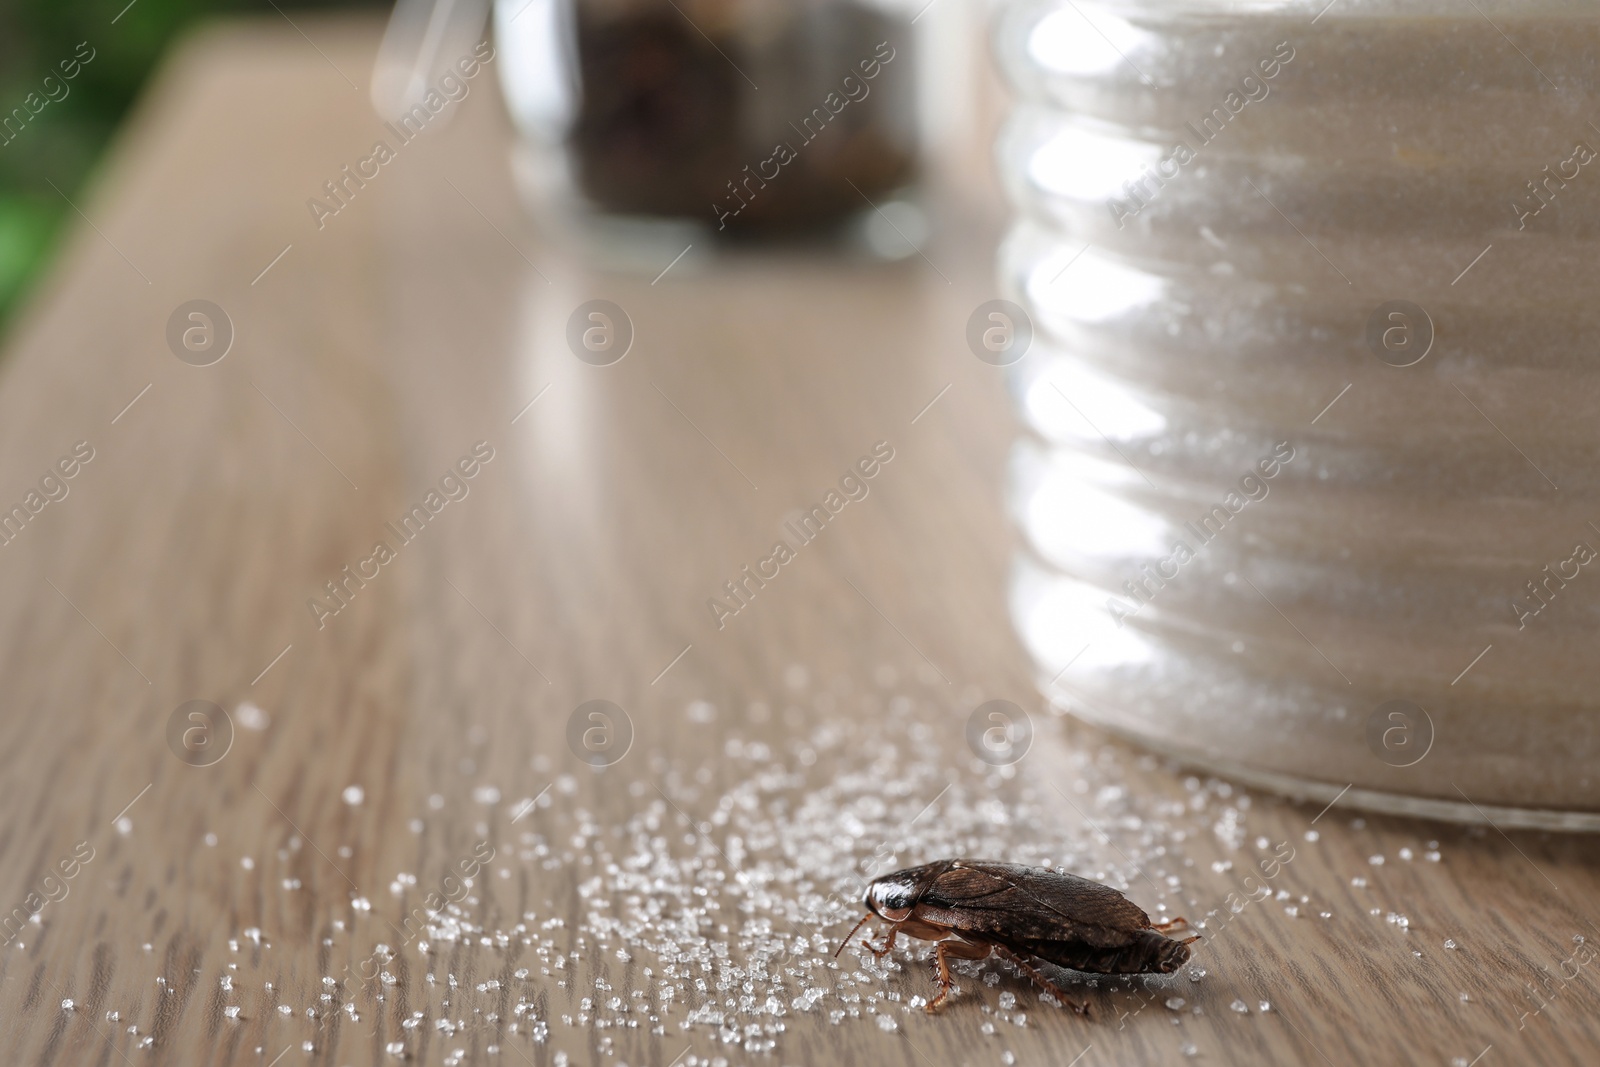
x=892, y=897
x=1173, y=954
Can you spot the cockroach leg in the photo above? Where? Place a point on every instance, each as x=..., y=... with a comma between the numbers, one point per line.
x=948, y=950
x=888, y=942
x=1190, y=940
x=1079, y=1006
x=1169, y=924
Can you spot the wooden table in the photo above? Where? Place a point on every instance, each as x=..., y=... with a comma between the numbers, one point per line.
x=774, y=760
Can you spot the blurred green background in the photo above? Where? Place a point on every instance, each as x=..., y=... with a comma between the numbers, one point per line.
x=66, y=138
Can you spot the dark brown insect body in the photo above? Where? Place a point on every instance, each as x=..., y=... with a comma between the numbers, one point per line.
x=974, y=907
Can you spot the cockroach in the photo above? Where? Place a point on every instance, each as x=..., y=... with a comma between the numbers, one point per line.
x=973, y=908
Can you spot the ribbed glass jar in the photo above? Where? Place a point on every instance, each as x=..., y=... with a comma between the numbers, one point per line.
x=1310, y=481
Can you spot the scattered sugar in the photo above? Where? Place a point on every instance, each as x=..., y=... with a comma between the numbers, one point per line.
x=711, y=910
x=251, y=717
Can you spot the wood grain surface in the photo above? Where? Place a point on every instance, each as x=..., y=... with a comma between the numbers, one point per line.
x=681, y=905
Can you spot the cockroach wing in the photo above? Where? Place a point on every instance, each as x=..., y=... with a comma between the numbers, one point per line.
x=1011, y=901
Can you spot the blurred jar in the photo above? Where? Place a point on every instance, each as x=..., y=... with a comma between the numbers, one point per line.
x=698, y=120
x=1313, y=294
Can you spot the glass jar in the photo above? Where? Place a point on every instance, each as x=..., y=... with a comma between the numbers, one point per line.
x=715, y=120
x=1309, y=476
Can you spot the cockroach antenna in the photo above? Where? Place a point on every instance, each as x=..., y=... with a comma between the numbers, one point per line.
x=851, y=934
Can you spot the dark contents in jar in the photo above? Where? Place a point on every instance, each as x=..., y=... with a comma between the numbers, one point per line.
x=670, y=123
